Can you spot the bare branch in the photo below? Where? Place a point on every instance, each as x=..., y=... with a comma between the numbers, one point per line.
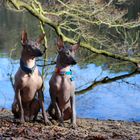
x=106, y=80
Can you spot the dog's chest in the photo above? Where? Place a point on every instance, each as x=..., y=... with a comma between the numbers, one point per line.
x=32, y=82
x=62, y=85
x=30, y=86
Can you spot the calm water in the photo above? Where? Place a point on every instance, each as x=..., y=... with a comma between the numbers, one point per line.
x=117, y=100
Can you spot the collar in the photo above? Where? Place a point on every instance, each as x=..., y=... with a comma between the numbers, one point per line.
x=26, y=69
x=58, y=71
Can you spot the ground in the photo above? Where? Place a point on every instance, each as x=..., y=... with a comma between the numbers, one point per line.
x=88, y=129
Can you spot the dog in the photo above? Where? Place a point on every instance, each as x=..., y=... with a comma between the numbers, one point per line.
x=62, y=87
x=28, y=83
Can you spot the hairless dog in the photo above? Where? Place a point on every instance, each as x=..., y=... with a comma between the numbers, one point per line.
x=28, y=84
x=62, y=87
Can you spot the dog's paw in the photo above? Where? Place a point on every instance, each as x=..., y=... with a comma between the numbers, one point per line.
x=73, y=125
x=31, y=118
x=22, y=120
x=48, y=123
x=26, y=118
x=61, y=124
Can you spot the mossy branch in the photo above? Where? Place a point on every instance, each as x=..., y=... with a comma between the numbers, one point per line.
x=36, y=11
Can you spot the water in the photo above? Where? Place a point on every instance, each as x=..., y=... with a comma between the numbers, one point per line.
x=117, y=100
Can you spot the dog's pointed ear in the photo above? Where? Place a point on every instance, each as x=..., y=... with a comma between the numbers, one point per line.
x=60, y=43
x=76, y=46
x=24, y=38
x=40, y=39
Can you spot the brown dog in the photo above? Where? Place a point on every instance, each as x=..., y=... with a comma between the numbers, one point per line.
x=28, y=83
x=62, y=88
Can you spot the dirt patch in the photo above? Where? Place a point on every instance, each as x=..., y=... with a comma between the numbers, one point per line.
x=88, y=129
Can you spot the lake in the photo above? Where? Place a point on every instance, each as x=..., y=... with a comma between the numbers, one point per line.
x=118, y=100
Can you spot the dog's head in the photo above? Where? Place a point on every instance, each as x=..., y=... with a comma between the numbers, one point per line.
x=67, y=53
x=32, y=48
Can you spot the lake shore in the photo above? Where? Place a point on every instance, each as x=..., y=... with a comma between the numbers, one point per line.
x=88, y=129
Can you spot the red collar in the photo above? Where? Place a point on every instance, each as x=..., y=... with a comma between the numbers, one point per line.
x=58, y=71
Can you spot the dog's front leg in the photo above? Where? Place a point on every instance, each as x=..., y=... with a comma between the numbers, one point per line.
x=73, y=119
x=18, y=97
x=41, y=102
x=58, y=112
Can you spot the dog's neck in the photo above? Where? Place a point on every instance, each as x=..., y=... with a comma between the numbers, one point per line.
x=28, y=60
x=27, y=64
x=64, y=70
x=61, y=66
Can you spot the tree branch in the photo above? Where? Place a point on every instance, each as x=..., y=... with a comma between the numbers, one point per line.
x=58, y=28
x=106, y=80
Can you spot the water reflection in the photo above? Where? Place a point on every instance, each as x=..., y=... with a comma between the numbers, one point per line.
x=116, y=100
x=112, y=101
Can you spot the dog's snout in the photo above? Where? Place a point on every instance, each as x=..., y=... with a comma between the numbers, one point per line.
x=39, y=53
x=74, y=62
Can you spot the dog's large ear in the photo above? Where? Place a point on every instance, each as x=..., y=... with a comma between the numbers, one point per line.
x=40, y=39
x=24, y=38
x=60, y=43
x=76, y=46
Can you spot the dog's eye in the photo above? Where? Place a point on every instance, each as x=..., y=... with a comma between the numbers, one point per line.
x=70, y=49
x=29, y=47
x=67, y=53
